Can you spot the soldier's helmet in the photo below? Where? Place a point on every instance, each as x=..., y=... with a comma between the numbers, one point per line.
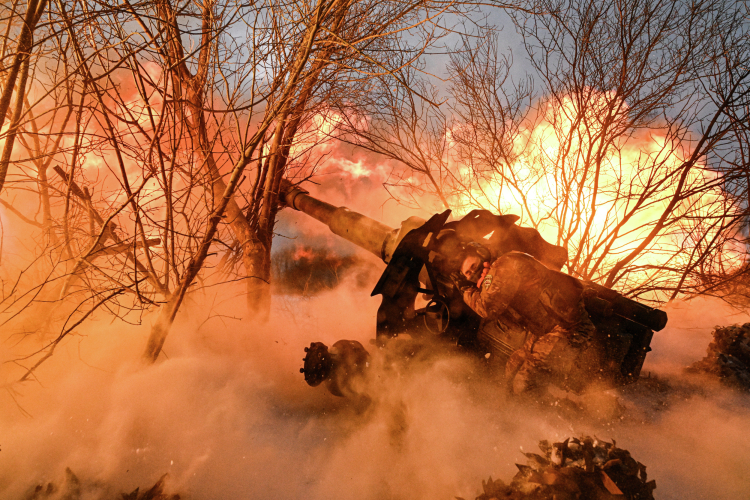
x=453, y=251
x=481, y=251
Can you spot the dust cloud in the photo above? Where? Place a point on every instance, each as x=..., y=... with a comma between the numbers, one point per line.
x=227, y=414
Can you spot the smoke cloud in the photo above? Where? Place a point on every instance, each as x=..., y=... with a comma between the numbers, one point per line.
x=228, y=414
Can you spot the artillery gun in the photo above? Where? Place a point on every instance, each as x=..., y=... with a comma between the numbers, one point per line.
x=419, y=257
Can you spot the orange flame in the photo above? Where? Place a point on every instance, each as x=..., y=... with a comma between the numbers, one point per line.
x=598, y=199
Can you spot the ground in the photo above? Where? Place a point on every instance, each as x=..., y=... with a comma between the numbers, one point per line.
x=227, y=415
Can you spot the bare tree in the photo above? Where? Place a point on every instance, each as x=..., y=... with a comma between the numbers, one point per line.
x=17, y=71
x=169, y=126
x=405, y=124
x=623, y=143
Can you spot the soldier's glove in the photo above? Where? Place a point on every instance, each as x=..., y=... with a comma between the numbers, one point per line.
x=463, y=284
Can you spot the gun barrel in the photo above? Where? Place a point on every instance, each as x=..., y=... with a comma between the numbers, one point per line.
x=361, y=230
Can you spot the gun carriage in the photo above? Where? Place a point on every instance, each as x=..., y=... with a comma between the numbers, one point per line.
x=419, y=258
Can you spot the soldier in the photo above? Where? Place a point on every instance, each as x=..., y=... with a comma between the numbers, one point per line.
x=546, y=303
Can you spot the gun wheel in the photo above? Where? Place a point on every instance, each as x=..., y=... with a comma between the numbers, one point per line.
x=437, y=316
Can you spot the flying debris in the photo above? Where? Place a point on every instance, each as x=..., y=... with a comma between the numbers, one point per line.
x=576, y=469
x=728, y=356
x=552, y=329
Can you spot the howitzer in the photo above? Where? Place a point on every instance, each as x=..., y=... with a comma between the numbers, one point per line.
x=419, y=257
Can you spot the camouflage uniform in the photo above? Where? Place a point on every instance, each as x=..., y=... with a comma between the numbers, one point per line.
x=550, y=308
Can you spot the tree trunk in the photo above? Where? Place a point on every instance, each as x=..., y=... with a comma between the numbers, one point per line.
x=288, y=123
x=34, y=11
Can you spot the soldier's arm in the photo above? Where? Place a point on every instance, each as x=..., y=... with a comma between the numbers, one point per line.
x=496, y=291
